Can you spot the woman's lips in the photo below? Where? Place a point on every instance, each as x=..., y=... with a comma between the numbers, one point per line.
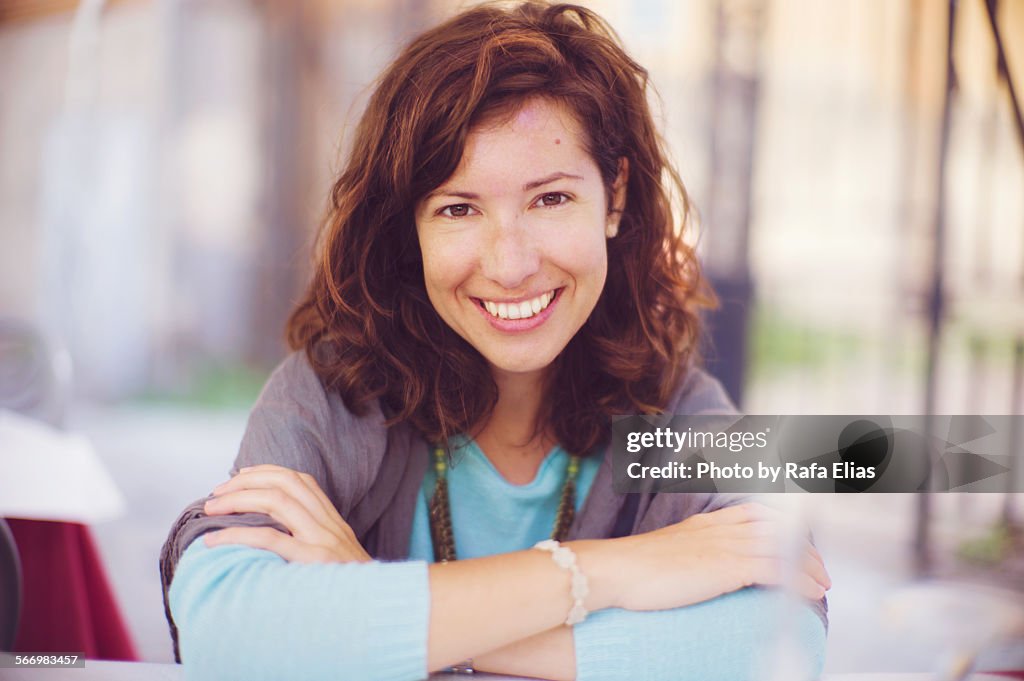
x=520, y=325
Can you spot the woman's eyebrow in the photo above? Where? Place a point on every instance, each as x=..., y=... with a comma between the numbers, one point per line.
x=550, y=178
x=533, y=184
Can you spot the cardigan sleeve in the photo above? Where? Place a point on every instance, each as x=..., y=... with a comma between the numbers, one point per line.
x=245, y=613
x=294, y=423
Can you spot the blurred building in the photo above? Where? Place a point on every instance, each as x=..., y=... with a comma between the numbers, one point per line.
x=166, y=164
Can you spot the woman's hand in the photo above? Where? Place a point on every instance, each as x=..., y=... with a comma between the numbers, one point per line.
x=705, y=556
x=318, y=532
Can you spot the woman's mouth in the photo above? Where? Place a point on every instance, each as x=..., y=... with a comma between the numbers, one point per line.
x=522, y=315
x=521, y=310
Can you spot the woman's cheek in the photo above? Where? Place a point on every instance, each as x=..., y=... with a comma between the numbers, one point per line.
x=583, y=251
x=446, y=261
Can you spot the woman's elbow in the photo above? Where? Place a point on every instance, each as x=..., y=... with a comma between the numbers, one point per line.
x=775, y=631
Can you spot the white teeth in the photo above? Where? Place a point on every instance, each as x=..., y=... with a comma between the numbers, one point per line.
x=523, y=310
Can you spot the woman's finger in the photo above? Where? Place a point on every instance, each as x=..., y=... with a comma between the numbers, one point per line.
x=748, y=512
x=277, y=477
x=810, y=588
x=769, y=530
x=326, y=528
x=276, y=503
x=813, y=550
x=328, y=506
x=815, y=567
x=315, y=500
x=269, y=539
x=766, y=547
x=264, y=467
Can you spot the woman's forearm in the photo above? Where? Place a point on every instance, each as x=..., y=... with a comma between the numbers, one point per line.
x=485, y=604
x=246, y=614
x=547, y=655
x=723, y=638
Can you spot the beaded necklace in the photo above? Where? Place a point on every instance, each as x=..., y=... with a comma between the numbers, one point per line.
x=441, y=516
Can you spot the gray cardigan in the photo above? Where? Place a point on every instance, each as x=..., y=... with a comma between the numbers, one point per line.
x=372, y=473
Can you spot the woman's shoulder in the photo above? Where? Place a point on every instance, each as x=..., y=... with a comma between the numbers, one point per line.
x=297, y=417
x=293, y=378
x=700, y=393
x=294, y=386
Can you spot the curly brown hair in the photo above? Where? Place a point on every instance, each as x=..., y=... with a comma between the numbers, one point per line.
x=366, y=324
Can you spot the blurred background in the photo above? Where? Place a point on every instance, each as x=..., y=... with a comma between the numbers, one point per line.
x=857, y=167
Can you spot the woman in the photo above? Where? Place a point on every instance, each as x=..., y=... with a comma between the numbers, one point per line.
x=499, y=274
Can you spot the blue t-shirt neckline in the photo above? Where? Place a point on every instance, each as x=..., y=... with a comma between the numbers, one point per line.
x=490, y=514
x=468, y=447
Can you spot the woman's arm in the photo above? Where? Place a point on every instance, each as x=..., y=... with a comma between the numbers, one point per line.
x=476, y=605
x=247, y=613
x=483, y=604
x=727, y=638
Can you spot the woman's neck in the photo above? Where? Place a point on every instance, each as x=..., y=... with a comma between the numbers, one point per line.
x=510, y=439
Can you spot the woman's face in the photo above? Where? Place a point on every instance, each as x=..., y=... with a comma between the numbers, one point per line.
x=513, y=243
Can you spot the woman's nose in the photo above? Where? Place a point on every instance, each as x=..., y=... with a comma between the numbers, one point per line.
x=511, y=256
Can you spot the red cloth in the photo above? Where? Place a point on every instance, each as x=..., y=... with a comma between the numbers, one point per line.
x=67, y=603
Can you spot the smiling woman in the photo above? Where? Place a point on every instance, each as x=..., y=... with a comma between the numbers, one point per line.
x=426, y=480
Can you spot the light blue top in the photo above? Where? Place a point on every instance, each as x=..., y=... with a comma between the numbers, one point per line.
x=245, y=613
x=491, y=515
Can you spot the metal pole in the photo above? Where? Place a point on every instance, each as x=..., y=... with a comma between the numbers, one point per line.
x=1017, y=398
x=735, y=95
x=936, y=303
x=1004, y=67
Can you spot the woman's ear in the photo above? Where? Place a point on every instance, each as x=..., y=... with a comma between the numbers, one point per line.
x=618, y=199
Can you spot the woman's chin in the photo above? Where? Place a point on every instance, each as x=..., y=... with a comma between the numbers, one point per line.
x=519, y=366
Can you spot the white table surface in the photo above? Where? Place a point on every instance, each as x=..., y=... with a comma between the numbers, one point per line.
x=100, y=670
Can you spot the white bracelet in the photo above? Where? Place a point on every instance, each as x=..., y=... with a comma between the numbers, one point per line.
x=464, y=667
x=566, y=559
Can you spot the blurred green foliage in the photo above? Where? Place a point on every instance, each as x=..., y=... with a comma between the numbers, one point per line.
x=781, y=341
x=990, y=548
x=213, y=386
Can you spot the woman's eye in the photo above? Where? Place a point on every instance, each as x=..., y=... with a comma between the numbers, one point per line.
x=552, y=199
x=458, y=210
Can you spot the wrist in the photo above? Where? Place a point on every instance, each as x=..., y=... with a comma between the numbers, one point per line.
x=594, y=558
